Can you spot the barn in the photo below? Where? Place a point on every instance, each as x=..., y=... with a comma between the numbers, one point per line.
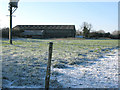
x=45, y=31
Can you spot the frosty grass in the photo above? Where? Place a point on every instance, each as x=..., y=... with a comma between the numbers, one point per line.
x=74, y=63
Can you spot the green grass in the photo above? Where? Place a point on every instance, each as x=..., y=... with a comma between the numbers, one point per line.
x=29, y=56
x=62, y=49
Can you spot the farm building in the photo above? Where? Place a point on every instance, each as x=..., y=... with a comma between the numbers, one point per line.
x=45, y=31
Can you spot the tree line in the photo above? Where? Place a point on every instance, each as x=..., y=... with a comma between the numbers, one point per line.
x=86, y=32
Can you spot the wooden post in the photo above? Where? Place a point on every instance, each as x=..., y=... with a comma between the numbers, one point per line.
x=48, y=66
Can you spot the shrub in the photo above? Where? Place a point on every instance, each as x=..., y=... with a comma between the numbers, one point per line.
x=4, y=33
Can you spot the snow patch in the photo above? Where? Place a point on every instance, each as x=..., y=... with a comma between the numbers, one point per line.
x=103, y=74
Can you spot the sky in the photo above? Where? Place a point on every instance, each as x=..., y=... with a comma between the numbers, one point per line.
x=103, y=15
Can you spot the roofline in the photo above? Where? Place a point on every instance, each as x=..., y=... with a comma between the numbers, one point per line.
x=45, y=25
x=19, y=26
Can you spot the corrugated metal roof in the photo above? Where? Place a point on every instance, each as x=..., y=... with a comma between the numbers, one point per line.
x=46, y=27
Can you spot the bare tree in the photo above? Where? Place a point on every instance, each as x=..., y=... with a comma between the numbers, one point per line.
x=116, y=32
x=86, y=28
x=101, y=31
x=78, y=32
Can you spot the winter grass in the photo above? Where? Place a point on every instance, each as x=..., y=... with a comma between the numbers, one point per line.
x=24, y=62
x=101, y=74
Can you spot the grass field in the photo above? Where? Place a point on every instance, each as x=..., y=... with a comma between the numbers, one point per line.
x=24, y=63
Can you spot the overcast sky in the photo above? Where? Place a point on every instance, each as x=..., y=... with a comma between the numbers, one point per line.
x=102, y=15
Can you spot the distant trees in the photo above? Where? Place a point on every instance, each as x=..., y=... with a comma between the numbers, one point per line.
x=87, y=32
x=4, y=32
x=115, y=34
x=100, y=34
x=101, y=31
x=86, y=27
x=78, y=33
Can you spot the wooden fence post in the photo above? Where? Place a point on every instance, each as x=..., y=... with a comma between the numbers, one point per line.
x=47, y=78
